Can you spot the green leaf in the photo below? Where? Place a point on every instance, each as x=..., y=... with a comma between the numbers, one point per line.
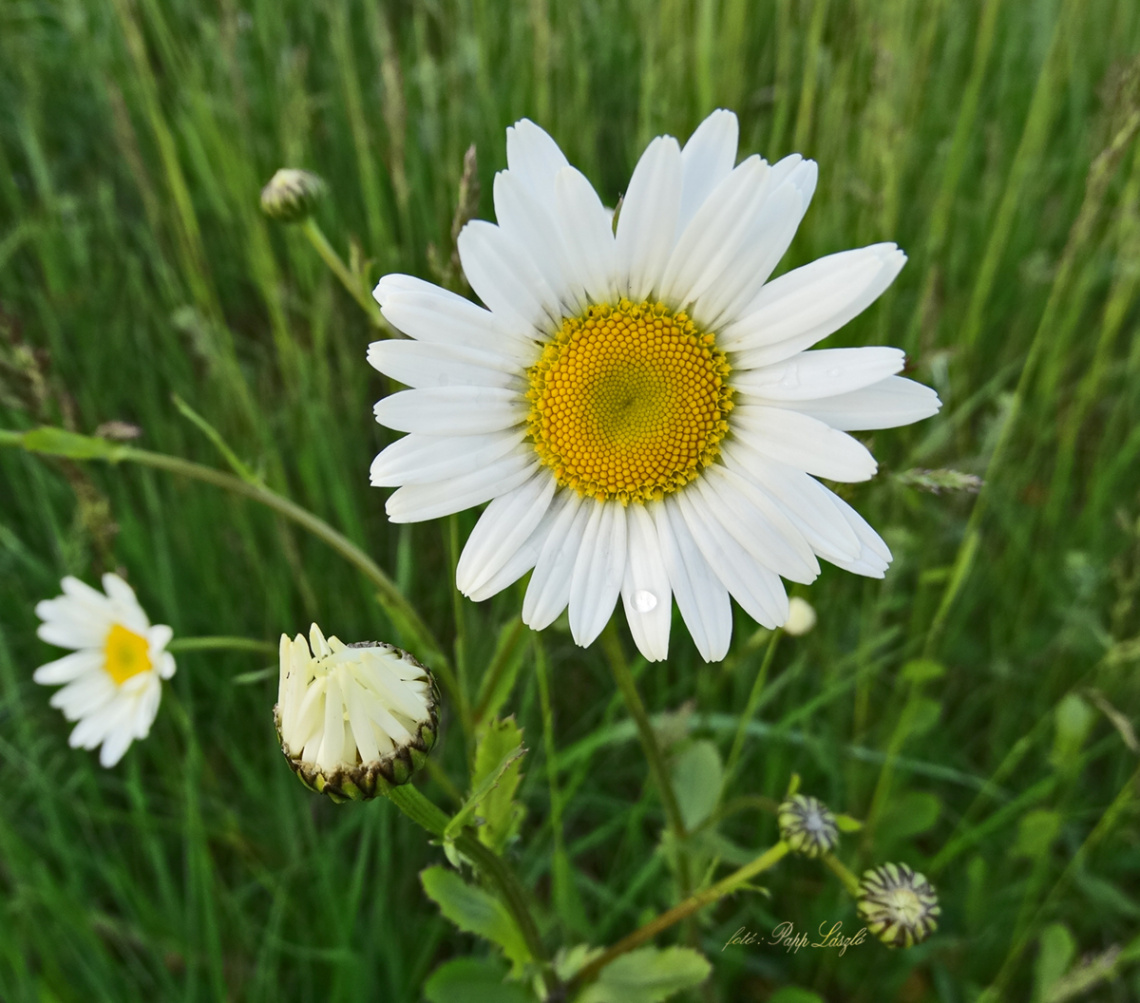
x=568, y=961
x=922, y=670
x=474, y=980
x=909, y=814
x=697, y=778
x=502, y=671
x=1055, y=952
x=59, y=442
x=505, y=749
x=1036, y=832
x=475, y=911
x=924, y=715
x=500, y=743
x=1073, y=719
x=648, y=976
x=794, y=994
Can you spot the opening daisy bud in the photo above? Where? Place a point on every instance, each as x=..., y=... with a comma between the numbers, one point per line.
x=291, y=195
x=355, y=720
x=807, y=826
x=114, y=674
x=899, y=906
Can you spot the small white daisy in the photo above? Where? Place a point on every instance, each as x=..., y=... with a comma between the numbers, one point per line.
x=354, y=719
x=114, y=675
x=641, y=409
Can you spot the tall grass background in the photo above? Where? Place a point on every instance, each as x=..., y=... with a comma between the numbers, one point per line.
x=995, y=142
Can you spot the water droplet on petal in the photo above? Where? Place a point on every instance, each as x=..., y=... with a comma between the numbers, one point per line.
x=791, y=377
x=644, y=601
x=835, y=373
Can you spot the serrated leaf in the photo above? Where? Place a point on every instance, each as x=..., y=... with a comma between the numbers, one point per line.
x=697, y=779
x=568, y=961
x=72, y=445
x=500, y=742
x=475, y=911
x=474, y=980
x=648, y=975
x=509, y=745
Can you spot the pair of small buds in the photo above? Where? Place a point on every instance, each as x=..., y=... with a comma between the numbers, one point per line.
x=899, y=906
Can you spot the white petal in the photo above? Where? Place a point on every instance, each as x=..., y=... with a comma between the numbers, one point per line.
x=452, y=410
x=502, y=529
x=807, y=503
x=645, y=590
x=158, y=637
x=94, y=727
x=426, y=459
x=64, y=670
x=891, y=402
x=649, y=216
x=701, y=598
x=120, y=592
x=116, y=743
x=759, y=525
x=716, y=234
x=528, y=221
x=589, y=235
x=419, y=502
x=423, y=365
x=767, y=240
x=549, y=588
x=875, y=555
x=146, y=707
x=86, y=695
x=527, y=554
x=504, y=277
x=438, y=316
x=72, y=633
x=803, y=442
x=758, y=589
x=804, y=306
x=827, y=372
x=706, y=161
x=598, y=571
x=534, y=156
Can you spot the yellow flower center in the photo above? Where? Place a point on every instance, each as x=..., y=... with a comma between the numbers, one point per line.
x=126, y=653
x=628, y=402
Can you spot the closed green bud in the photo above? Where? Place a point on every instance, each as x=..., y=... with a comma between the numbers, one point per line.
x=807, y=826
x=899, y=906
x=354, y=720
x=291, y=195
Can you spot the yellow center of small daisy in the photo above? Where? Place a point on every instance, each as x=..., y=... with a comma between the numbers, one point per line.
x=628, y=402
x=126, y=654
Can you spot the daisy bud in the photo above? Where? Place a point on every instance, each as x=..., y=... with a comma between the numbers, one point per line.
x=807, y=826
x=355, y=720
x=291, y=195
x=899, y=906
x=801, y=617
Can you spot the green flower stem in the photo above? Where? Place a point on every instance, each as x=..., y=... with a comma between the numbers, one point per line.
x=180, y=644
x=428, y=815
x=57, y=442
x=750, y=709
x=768, y=859
x=341, y=271
x=850, y=882
x=628, y=688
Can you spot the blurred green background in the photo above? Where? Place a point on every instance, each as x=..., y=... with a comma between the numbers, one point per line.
x=995, y=142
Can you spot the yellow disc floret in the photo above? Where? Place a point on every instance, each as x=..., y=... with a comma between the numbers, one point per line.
x=628, y=402
x=127, y=654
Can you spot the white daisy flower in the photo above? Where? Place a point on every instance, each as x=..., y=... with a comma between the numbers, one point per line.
x=640, y=408
x=114, y=675
x=354, y=719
